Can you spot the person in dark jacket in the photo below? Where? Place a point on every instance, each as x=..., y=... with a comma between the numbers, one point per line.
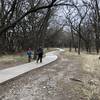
x=29, y=54
x=39, y=54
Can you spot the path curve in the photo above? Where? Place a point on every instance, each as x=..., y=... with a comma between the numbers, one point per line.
x=10, y=73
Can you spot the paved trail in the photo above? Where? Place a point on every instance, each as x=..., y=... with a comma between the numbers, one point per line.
x=10, y=73
x=60, y=80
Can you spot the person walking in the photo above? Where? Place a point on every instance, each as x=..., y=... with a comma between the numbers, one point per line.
x=39, y=54
x=29, y=54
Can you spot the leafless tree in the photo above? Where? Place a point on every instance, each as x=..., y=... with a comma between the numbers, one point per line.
x=75, y=16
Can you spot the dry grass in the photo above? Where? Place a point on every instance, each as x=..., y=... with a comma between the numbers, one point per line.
x=7, y=61
x=90, y=62
x=49, y=49
x=90, y=65
x=13, y=58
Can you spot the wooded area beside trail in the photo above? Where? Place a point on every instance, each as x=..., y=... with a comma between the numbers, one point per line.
x=50, y=23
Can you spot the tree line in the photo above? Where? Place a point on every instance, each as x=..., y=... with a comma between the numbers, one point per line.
x=31, y=23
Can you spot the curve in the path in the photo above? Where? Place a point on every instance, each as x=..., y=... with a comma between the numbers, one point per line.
x=10, y=73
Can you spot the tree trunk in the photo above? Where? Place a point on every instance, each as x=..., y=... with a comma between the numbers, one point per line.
x=79, y=44
x=97, y=45
x=70, y=46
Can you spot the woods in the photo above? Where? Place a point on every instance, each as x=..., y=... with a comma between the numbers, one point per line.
x=50, y=23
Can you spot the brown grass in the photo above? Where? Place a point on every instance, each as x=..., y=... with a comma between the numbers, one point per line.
x=90, y=62
x=90, y=65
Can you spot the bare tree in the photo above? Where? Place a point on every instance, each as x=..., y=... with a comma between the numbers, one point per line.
x=76, y=19
x=96, y=21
